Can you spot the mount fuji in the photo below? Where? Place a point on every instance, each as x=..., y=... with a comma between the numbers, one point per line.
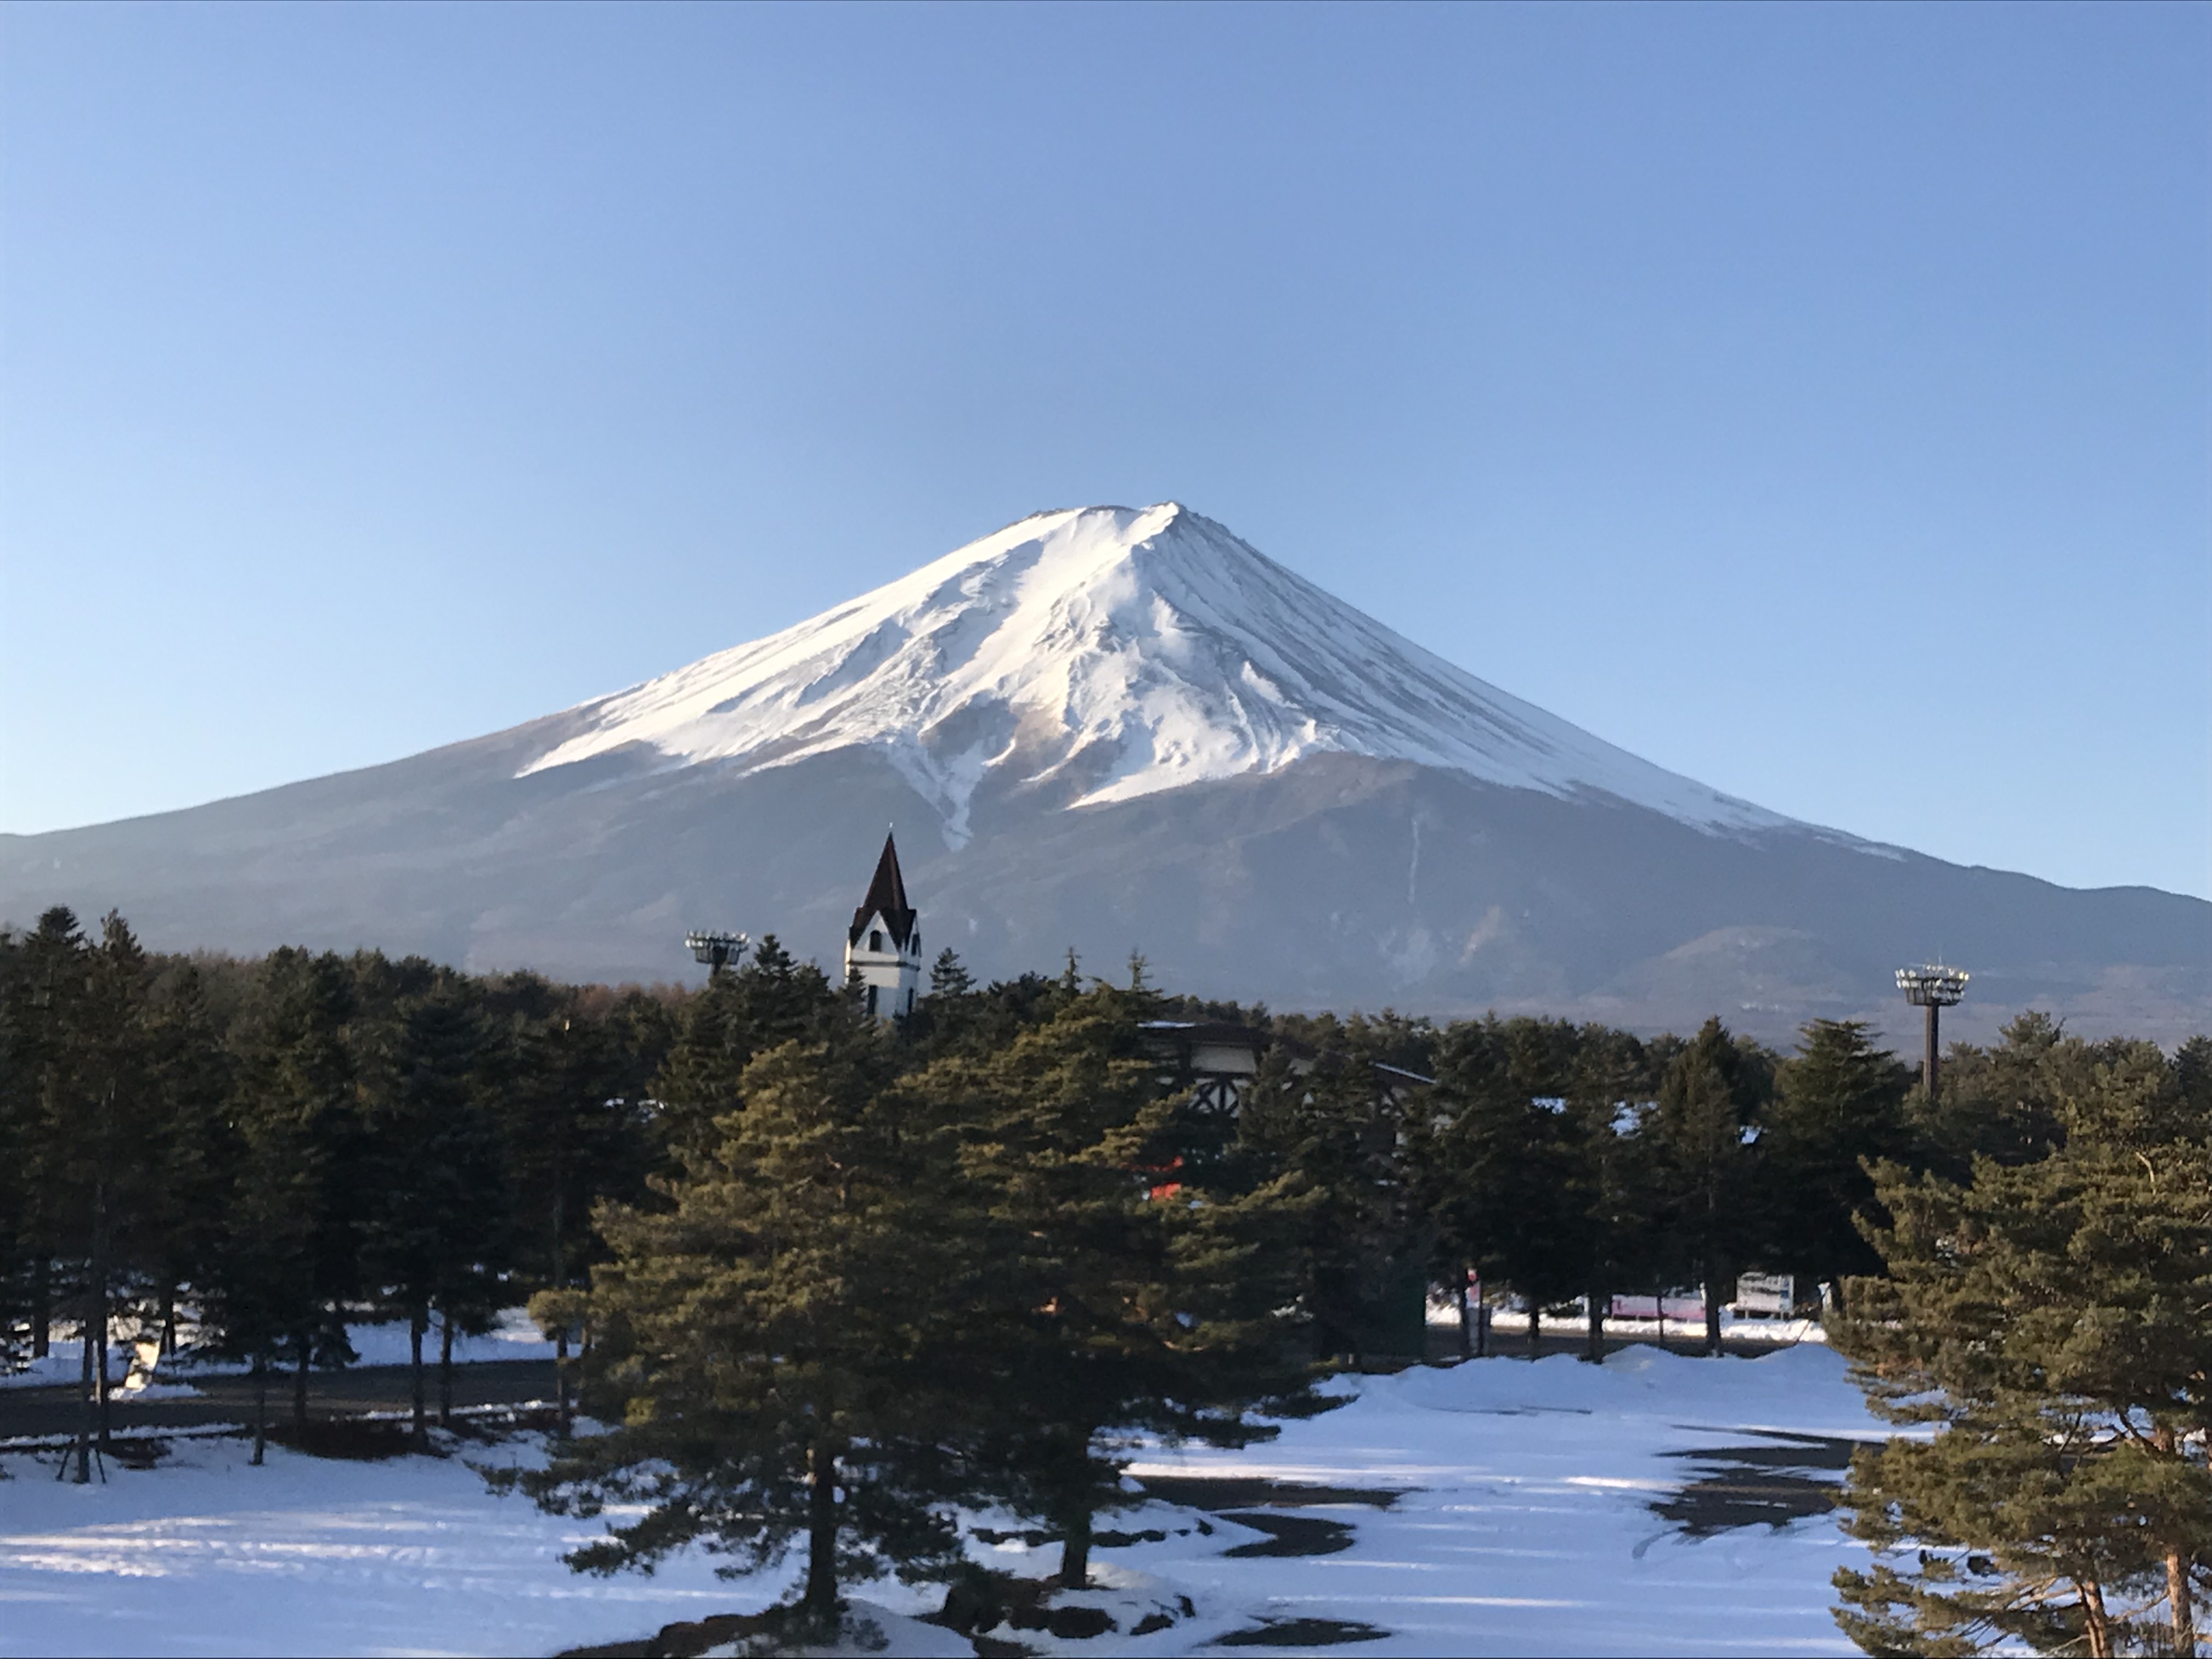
x=1112, y=729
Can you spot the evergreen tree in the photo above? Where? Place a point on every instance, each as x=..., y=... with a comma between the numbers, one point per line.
x=178, y=1216
x=1125, y=1293
x=16, y=1247
x=1611, y=1199
x=744, y=1012
x=948, y=977
x=1704, y=1133
x=291, y=1248
x=2050, y=1317
x=2004, y=1103
x=435, y=1230
x=1361, y=1237
x=772, y=1341
x=1839, y=1105
x=99, y=1133
x=575, y=1127
x=1498, y=1164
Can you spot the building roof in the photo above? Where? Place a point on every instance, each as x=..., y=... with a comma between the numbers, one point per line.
x=886, y=898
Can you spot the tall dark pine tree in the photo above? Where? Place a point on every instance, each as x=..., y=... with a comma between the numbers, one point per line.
x=1612, y=1194
x=1497, y=1164
x=571, y=1108
x=1705, y=1129
x=101, y=1133
x=180, y=1216
x=288, y=1257
x=435, y=1232
x=45, y=982
x=1839, y=1104
x=744, y=1012
x=774, y=1337
x=1123, y=1291
x=17, y=1093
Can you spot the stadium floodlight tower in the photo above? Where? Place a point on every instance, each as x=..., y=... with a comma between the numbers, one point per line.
x=717, y=950
x=1935, y=987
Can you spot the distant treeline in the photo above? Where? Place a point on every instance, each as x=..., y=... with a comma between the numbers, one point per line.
x=832, y=1272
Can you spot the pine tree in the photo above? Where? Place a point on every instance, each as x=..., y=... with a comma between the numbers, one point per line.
x=288, y=1258
x=570, y=1105
x=1497, y=1162
x=98, y=1133
x=1839, y=1105
x=771, y=999
x=1705, y=1131
x=773, y=1341
x=1362, y=1235
x=1126, y=1293
x=434, y=1229
x=1612, y=1198
x=178, y=1216
x=2050, y=1317
x=2004, y=1103
x=948, y=976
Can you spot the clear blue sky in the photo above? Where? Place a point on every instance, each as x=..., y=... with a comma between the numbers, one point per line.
x=1815, y=400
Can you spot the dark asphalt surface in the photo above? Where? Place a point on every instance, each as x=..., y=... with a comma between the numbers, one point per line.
x=29, y=1411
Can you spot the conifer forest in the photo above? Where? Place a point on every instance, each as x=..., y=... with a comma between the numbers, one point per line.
x=821, y=1278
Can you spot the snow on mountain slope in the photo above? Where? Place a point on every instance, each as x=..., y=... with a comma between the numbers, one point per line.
x=1115, y=652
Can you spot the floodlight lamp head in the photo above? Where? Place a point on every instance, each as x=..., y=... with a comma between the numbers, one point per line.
x=716, y=950
x=1932, y=984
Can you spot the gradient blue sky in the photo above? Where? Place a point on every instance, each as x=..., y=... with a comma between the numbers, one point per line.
x=1815, y=400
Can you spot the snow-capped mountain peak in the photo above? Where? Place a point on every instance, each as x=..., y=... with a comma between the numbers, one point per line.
x=1113, y=652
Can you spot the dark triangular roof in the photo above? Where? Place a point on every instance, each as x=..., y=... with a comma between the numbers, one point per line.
x=886, y=898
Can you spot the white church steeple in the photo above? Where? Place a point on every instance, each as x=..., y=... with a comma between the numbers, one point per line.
x=883, y=946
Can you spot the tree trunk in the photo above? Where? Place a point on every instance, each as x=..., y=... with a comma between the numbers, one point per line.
x=561, y=1379
x=1535, y=1330
x=260, y=1404
x=1594, y=1348
x=101, y=1389
x=417, y=1319
x=820, y=1600
x=566, y=1416
x=98, y=1335
x=88, y=1417
x=1482, y=1329
x=42, y=1311
x=1075, y=1549
x=1466, y=1326
x=169, y=1321
x=1712, y=1318
x=2181, y=1602
x=2098, y=1623
x=445, y=1370
x=299, y=1382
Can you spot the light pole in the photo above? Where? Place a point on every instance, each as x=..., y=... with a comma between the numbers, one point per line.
x=1935, y=987
x=717, y=950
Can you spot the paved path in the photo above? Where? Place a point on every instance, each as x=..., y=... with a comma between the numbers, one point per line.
x=25, y=1411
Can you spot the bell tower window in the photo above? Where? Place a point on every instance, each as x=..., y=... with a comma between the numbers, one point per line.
x=876, y=940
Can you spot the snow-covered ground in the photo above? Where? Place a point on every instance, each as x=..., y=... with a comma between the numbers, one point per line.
x=1522, y=1525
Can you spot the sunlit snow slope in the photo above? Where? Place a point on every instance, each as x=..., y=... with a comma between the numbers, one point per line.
x=1116, y=652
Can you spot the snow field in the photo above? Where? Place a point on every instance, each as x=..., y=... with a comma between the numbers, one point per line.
x=1522, y=1525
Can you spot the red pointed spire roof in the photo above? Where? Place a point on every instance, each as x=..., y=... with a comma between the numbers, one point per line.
x=886, y=898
